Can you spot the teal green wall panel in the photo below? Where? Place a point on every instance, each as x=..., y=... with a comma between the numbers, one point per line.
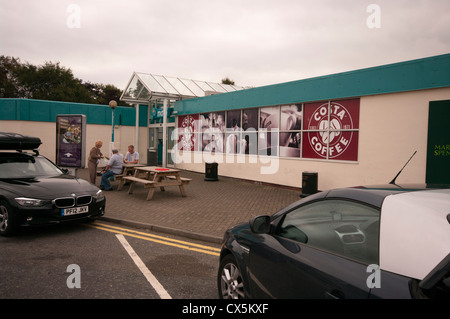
x=143, y=115
x=46, y=111
x=8, y=110
x=97, y=115
x=61, y=109
x=23, y=109
x=40, y=110
x=79, y=109
x=427, y=73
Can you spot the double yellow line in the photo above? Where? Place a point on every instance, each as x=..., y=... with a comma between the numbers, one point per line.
x=157, y=239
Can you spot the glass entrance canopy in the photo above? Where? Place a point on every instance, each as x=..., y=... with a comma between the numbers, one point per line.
x=144, y=87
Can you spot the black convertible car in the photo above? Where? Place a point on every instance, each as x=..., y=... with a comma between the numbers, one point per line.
x=363, y=242
x=34, y=191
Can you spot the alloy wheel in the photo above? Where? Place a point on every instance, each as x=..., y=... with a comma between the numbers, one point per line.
x=3, y=218
x=231, y=284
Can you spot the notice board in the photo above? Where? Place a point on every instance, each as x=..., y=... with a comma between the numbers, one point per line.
x=71, y=140
x=438, y=149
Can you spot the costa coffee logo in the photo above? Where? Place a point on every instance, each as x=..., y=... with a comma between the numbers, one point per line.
x=328, y=122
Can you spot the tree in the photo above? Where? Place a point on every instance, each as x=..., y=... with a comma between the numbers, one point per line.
x=50, y=81
x=8, y=77
x=227, y=81
x=102, y=94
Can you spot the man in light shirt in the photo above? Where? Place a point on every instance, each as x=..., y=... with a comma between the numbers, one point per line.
x=114, y=167
x=132, y=157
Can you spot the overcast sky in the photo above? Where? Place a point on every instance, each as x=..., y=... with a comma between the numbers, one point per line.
x=253, y=42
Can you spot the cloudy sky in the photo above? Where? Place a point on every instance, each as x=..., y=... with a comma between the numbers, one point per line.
x=253, y=42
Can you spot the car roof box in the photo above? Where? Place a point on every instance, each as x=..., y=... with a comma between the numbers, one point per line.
x=14, y=141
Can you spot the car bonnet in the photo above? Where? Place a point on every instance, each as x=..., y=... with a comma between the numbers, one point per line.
x=47, y=187
x=414, y=232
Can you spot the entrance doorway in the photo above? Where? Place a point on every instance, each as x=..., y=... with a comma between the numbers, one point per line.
x=156, y=145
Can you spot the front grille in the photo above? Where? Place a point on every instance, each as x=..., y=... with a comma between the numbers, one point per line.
x=64, y=202
x=84, y=200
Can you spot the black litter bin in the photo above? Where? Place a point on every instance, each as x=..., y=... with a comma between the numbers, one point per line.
x=309, y=183
x=152, y=157
x=211, y=172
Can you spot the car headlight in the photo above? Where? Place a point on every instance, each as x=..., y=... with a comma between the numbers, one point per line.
x=99, y=195
x=29, y=202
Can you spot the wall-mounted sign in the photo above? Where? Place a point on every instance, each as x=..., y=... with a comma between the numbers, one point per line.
x=70, y=140
x=331, y=130
x=438, y=150
x=158, y=113
x=323, y=130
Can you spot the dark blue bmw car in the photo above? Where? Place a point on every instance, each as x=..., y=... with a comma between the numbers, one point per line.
x=34, y=191
x=364, y=242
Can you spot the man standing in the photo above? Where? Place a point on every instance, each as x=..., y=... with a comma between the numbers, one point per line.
x=114, y=167
x=132, y=157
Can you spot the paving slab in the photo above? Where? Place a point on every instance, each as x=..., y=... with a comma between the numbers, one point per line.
x=210, y=208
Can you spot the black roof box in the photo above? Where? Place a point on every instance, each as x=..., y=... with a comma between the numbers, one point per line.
x=14, y=141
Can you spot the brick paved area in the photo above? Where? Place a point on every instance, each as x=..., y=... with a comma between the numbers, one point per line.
x=210, y=208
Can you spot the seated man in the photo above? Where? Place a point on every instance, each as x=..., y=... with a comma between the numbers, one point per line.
x=132, y=157
x=114, y=167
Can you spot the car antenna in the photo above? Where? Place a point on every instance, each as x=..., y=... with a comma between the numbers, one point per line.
x=393, y=181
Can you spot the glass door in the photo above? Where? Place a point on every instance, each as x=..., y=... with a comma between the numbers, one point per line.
x=170, y=146
x=156, y=146
x=159, y=141
x=152, y=156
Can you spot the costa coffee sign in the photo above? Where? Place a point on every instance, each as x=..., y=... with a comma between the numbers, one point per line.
x=330, y=130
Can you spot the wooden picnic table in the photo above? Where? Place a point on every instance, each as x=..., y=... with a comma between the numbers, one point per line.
x=154, y=176
x=127, y=168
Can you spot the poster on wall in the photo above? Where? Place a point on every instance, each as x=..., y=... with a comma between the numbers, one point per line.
x=213, y=131
x=331, y=130
x=269, y=126
x=70, y=140
x=249, y=140
x=233, y=135
x=291, y=117
x=187, y=127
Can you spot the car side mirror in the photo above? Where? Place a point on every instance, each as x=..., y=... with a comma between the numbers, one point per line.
x=260, y=224
x=65, y=171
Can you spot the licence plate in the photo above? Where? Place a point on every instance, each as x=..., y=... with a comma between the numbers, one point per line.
x=74, y=210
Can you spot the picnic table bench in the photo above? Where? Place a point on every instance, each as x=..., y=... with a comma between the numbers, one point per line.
x=156, y=177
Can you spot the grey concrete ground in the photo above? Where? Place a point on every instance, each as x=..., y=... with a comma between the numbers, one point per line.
x=210, y=208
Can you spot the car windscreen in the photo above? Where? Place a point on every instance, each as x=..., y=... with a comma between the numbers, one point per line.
x=27, y=167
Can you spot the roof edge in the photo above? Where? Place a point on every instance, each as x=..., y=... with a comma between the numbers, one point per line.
x=419, y=74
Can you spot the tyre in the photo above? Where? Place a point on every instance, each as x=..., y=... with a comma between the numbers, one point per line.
x=229, y=279
x=7, y=219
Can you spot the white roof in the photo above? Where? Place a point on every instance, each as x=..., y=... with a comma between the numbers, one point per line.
x=144, y=87
x=414, y=232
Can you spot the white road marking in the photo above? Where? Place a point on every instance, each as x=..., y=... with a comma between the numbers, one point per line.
x=147, y=273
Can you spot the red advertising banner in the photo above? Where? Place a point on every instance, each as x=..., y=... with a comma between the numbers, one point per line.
x=331, y=130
